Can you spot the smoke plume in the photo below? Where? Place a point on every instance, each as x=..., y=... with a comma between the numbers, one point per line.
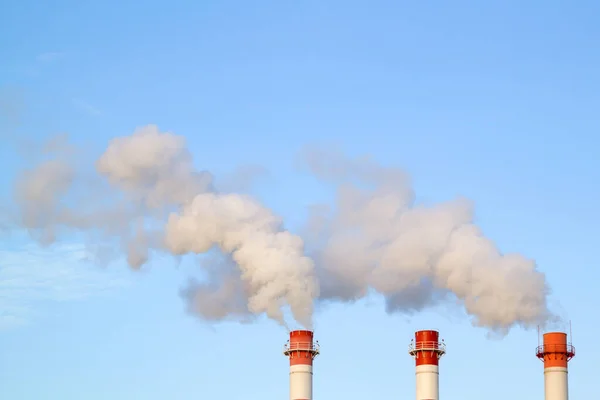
x=145, y=194
x=377, y=238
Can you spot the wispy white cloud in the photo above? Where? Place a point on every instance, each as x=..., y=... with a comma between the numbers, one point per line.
x=49, y=56
x=87, y=108
x=41, y=62
x=11, y=107
x=33, y=276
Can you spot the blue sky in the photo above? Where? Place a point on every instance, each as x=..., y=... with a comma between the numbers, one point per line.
x=490, y=100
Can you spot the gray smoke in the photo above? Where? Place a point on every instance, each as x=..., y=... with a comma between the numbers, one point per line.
x=148, y=195
x=377, y=238
x=222, y=295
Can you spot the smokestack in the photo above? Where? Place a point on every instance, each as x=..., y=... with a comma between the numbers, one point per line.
x=301, y=351
x=556, y=354
x=427, y=350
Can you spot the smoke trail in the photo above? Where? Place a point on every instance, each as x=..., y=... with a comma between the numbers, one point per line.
x=222, y=294
x=377, y=238
x=147, y=194
x=271, y=260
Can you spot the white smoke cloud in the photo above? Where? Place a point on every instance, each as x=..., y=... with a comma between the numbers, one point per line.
x=377, y=238
x=271, y=260
x=146, y=194
x=154, y=167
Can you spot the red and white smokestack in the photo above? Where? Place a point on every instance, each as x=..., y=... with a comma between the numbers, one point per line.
x=301, y=351
x=427, y=350
x=556, y=353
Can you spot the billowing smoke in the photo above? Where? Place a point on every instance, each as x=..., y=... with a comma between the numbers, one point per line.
x=377, y=239
x=146, y=194
x=222, y=294
x=273, y=267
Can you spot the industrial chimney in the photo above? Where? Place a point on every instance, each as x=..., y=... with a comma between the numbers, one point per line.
x=556, y=353
x=427, y=350
x=301, y=351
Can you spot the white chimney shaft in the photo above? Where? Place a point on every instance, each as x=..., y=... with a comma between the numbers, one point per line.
x=556, y=353
x=301, y=351
x=427, y=351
